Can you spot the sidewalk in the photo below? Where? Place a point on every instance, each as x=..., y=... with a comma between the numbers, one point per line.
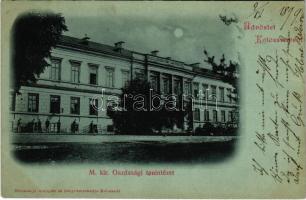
x=35, y=138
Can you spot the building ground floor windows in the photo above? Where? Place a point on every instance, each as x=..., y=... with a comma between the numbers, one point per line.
x=58, y=111
x=33, y=102
x=55, y=104
x=75, y=105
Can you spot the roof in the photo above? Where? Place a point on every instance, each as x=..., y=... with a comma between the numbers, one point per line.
x=85, y=44
x=93, y=46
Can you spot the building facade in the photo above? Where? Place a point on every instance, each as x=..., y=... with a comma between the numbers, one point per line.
x=80, y=68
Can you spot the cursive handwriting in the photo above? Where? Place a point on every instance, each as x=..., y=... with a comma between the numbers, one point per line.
x=279, y=132
x=258, y=9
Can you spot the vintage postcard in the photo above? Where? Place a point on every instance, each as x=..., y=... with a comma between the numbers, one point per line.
x=153, y=99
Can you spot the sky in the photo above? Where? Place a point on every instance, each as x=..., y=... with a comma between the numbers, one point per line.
x=177, y=35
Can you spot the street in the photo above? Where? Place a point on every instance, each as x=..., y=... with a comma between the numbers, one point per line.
x=132, y=151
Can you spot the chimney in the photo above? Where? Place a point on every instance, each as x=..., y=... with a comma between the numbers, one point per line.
x=119, y=46
x=197, y=65
x=85, y=40
x=154, y=53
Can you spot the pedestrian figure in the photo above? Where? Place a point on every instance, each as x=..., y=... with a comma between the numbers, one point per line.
x=39, y=126
x=96, y=128
x=58, y=125
x=35, y=127
x=76, y=128
x=91, y=127
x=19, y=125
x=47, y=124
x=32, y=126
x=73, y=127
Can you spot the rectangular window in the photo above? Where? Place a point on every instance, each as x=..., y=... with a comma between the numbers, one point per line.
x=55, y=69
x=213, y=92
x=230, y=117
x=139, y=74
x=229, y=95
x=221, y=98
x=206, y=115
x=196, y=114
x=215, y=116
x=154, y=81
x=75, y=105
x=205, y=91
x=195, y=89
x=55, y=104
x=93, y=74
x=12, y=107
x=187, y=88
x=33, y=102
x=109, y=77
x=75, y=72
x=109, y=128
x=93, y=106
x=166, y=85
x=177, y=86
x=111, y=106
x=125, y=78
x=223, y=115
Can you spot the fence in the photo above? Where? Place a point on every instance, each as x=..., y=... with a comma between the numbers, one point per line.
x=55, y=128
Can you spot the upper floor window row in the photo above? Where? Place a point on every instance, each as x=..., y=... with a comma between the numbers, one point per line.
x=210, y=92
x=93, y=73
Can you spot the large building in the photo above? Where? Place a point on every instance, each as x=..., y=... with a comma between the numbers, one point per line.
x=79, y=70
